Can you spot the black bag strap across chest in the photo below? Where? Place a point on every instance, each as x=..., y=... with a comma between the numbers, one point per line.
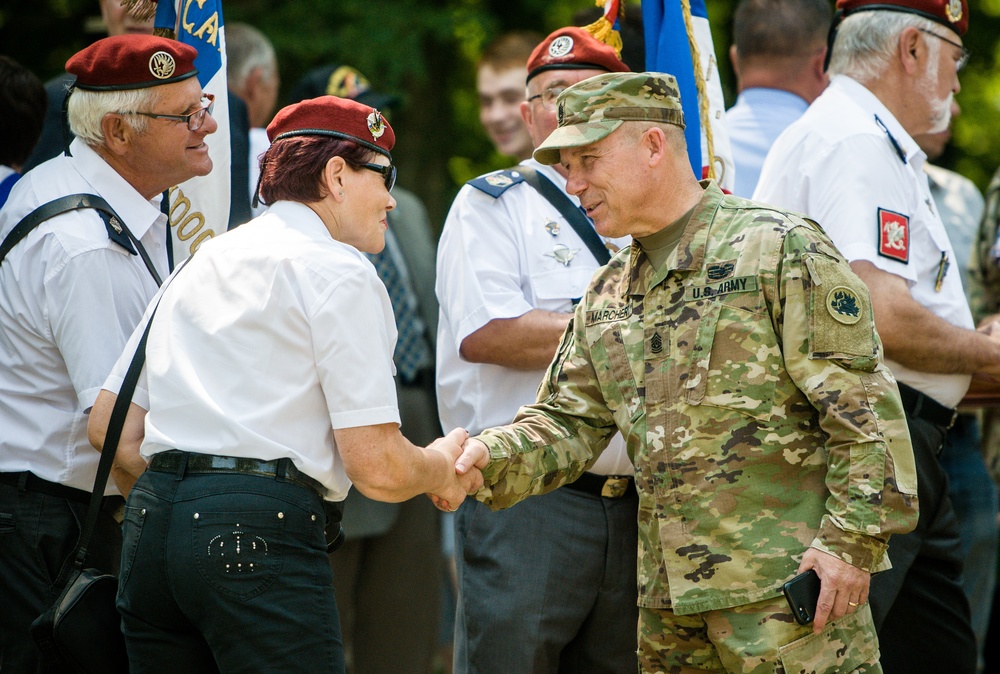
x=118, y=231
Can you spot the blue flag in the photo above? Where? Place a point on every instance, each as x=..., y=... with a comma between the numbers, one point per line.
x=678, y=39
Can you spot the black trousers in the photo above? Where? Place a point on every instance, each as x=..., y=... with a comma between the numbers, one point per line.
x=38, y=533
x=921, y=613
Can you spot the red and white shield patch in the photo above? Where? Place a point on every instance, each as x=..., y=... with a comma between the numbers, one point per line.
x=894, y=235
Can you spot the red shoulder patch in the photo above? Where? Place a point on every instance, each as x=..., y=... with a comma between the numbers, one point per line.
x=894, y=235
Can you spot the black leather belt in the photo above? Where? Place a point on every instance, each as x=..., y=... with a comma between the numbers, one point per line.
x=920, y=406
x=185, y=463
x=608, y=486
x=31, y=482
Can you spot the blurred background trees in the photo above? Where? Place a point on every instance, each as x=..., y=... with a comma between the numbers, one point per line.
x=426, y=50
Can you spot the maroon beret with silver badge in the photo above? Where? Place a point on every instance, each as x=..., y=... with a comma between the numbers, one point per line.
x=951, y=13
x=574, y=49
x=335, y=117
x=132, y=62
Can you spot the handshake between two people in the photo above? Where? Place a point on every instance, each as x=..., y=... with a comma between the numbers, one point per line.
x=466, y=457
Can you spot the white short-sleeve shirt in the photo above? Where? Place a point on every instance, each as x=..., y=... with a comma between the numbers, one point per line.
x=69, y=299
x=271, y=337
x=500, y=258
x=848, y=164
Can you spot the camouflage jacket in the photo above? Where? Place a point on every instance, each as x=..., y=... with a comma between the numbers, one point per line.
x=749, y=385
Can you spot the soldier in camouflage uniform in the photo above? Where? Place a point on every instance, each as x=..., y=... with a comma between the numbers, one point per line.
x=736, y=352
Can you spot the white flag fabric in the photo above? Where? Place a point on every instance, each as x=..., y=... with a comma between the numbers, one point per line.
x=199, y=208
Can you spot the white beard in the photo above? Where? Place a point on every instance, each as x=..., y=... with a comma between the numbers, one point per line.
x=939, y=109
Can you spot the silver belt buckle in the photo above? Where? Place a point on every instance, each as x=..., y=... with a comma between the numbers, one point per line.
x=614, y=487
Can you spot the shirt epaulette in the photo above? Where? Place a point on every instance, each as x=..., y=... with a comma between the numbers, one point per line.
x=495, y=184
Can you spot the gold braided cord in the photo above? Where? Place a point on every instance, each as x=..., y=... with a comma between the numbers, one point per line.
x=141, y=10
x=703, y=109
x=603, y=30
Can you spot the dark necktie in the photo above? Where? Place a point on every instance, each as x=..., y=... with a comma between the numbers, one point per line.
x=412, y=353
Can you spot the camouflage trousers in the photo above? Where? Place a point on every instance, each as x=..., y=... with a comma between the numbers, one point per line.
x=754, y=639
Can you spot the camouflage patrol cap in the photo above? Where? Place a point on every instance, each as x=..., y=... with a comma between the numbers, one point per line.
x=593, y=108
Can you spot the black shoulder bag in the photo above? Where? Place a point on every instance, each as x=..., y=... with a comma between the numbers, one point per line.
x=81, y=631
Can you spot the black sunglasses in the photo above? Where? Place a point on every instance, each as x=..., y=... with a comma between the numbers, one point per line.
x=388, y=173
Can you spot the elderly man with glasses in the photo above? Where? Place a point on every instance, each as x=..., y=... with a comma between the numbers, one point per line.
x=73, y=288
x=511, y=265
x=851, y=162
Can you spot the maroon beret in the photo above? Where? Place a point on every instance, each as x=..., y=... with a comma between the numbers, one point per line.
x=132, y=62
x=574, y=49
x=336, y=117
x=951, y=13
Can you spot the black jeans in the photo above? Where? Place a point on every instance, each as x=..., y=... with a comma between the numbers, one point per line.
x=227, y=573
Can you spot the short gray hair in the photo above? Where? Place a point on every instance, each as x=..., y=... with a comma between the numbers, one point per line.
x=866, y=42
x=247, y=48
x=86, y=109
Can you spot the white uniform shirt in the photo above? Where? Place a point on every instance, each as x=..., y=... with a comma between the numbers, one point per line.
x=69, y=299
x=840, y=167
x=271, y=337
x=497, y=258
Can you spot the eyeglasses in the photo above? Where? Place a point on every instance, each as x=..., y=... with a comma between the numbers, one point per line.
x=548, y=96
x=194, y=120
x=388, y=173
x=966, y=54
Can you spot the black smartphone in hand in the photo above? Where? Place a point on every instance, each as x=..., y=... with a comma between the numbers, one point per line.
x=802, y=593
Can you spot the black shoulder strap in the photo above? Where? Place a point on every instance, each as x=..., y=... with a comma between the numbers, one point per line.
x=113, y=435
x=117, y=230
x=574, y=216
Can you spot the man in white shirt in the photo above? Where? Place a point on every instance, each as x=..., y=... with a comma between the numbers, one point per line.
x=72, y=291
x=850, y=163
x=972, y=491
x=778, y=51
x=549, y=585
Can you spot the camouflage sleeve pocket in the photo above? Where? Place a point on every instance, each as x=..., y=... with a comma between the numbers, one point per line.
x=841, y=325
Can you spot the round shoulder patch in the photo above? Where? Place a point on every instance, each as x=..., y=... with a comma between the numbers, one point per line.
x=561, y=46
x=843, y=305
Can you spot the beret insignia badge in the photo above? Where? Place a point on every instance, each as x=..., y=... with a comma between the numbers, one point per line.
x=376, y=124
x=161, y=65
x=954, y=10
x=561, y=46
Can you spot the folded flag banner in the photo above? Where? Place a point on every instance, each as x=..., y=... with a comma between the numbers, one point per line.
x=678, y=36
x=199, y=207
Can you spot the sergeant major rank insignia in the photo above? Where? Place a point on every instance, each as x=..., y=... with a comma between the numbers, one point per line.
x=842, y=303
